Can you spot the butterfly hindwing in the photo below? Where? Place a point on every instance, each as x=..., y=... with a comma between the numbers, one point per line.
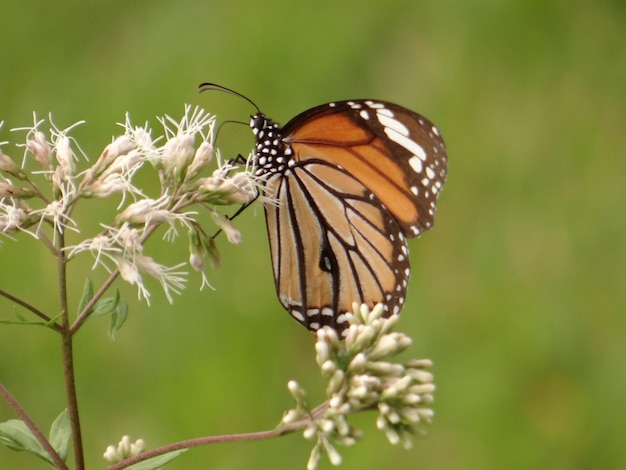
x=329, y=245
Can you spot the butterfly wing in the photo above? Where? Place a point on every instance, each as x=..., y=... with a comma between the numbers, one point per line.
x=345, y=183
x=332, y=243
x=396, y=153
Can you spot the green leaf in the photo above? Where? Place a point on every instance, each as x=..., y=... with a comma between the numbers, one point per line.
x=118, y=317
x=156, y=462
x=23, y=321
x=61, y=434
x=87, y=295
x=106, y=305
x=16, y=436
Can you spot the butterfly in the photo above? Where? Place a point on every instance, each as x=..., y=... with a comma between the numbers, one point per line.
x=344, y=185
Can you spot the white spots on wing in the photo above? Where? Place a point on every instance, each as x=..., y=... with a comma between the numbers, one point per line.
x=399, y=133
x=430, y=173
x=375, y=105
x=415, y=190
x=312, y=312
x=384, y=112
x=436, y=131
x=416, y=164
x=327, y=311
x=409, y=144
x=297, y=315
x=364, y=114
x=327, y=263
x=314, y=325
x=389, y=122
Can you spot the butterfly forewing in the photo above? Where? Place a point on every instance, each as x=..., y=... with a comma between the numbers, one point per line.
x=396, y=153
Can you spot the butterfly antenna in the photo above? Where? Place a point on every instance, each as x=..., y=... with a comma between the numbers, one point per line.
x=214, y=86
x=219, y=128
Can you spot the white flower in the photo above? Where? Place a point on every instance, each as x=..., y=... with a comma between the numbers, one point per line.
x=56, y=213
x=62, y=147
x=12, y=217
x=36, y=144
x=360, y=378
x=101, y=246
x=124, y=450
x=170, y=279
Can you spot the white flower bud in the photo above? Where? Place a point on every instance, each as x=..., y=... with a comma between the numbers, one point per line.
x=201, y=159
x=40, y=149
x=390, y=344
x=333, y=454
x=323, y=352
x=64, y=155
x=7, y=165
x=314, y=458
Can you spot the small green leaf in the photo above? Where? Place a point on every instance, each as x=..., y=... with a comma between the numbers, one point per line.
x=156, y=462
x=61, y=434
x=87, y=295
x=16, y=436
x=106, y=305
x=21, y=320
x=118, y=317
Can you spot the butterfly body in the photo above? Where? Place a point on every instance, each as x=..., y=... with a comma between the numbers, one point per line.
x=345, y=184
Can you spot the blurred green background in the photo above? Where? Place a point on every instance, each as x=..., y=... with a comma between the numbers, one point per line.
x=517, y=294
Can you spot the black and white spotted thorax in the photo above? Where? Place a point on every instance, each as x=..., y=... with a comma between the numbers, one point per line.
x=271, y=153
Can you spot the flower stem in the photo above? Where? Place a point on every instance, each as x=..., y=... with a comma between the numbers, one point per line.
x=80, y=319
x=12, y=402
x=281, y=430
x=32, y=308
x=68, y=359
x=251, y=436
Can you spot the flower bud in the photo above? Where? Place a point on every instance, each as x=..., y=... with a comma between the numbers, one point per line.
x=64, y=155
x=40, y=149
x=120, y=146
x=7, y=165
x=202, y=158
x=178, y=153
x=9, y=190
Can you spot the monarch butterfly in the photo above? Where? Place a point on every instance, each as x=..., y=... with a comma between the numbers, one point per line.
x=345, y=184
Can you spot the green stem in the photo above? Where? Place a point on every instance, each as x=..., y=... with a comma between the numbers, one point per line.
x=30, y=307
x=82, y=316
x=193, y=443
x=13, y=403
x=68, y=359
x=281, y=430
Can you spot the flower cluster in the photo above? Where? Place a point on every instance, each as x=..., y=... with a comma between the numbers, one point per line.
x=124, y=449
x=360, y=377
x=179, y=156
